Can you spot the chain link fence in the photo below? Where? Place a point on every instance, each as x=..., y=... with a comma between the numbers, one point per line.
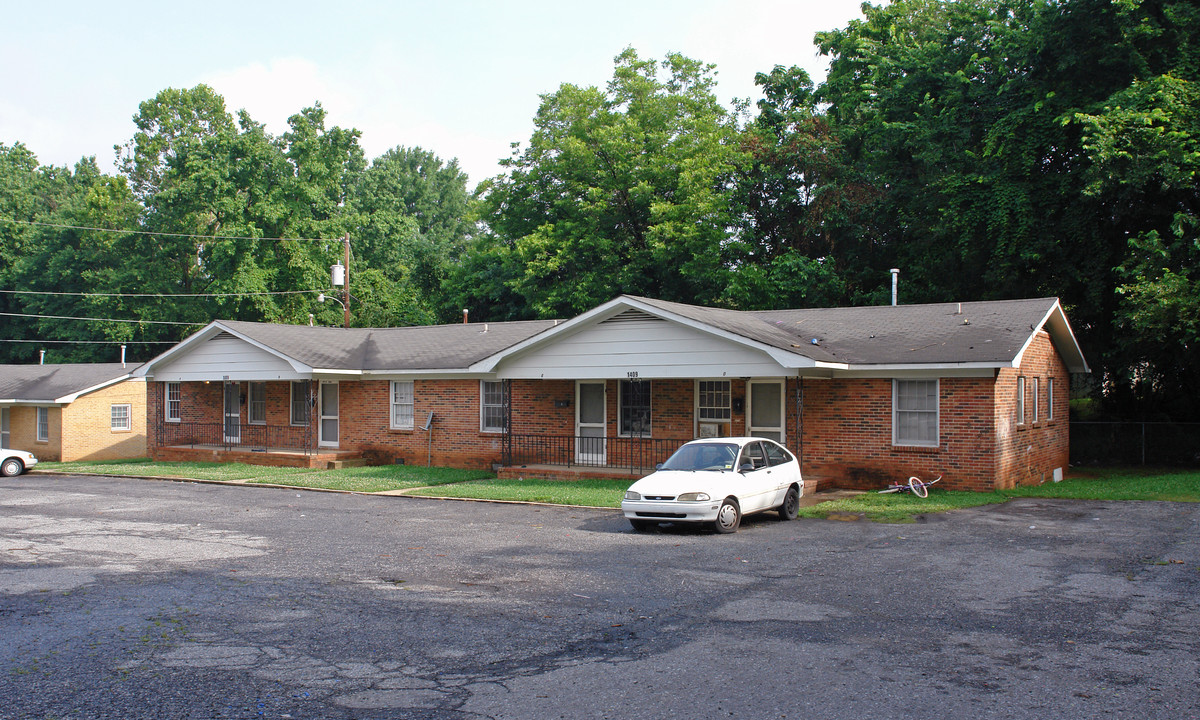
x=1135, y=443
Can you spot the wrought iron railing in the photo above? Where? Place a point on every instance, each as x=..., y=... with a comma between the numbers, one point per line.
x=229, y=436
x=634, y=453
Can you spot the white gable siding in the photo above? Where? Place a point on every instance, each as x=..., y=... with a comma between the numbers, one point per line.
x=650, y=348
x=227, y=356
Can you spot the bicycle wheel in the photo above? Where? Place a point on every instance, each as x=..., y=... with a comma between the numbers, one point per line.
x=918, y=488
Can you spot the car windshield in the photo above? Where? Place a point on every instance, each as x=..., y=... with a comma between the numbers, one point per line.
x=702, y=456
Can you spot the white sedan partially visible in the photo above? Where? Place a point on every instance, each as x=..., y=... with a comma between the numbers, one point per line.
x=717, y=481
x=15, y=462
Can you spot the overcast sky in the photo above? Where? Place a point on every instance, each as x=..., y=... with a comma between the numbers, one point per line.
x=458, y=77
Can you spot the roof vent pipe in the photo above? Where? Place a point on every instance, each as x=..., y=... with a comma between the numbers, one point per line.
x=895, y=284
x=41, y=357
x=122, y=357
x=466, y=312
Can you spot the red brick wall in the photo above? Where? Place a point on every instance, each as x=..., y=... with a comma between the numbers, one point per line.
x=1029, y=453
x=847, y=435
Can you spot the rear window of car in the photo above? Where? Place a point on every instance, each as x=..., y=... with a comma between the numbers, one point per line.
x=777, y=455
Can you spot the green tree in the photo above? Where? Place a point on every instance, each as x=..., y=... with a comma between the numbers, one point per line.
x=620, y=190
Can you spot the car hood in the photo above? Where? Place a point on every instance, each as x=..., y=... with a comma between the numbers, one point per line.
x=675, y=482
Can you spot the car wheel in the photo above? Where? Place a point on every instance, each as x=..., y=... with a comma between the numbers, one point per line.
x=643, y=525
x=729, y=517
x=11, y=467
x=791, y=504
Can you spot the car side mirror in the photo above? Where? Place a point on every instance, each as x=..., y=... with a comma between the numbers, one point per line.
x=746, y=467
x=658, y=466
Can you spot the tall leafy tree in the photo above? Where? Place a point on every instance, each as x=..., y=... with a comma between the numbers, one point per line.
x=620, y=190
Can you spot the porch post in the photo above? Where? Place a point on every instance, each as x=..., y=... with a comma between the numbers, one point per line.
x=506, y=452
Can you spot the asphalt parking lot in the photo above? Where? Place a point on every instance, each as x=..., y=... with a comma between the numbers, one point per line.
x=146, y=599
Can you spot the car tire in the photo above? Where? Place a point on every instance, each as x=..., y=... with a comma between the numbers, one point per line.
x=729, y=517
x=643, y=525
x=791, y=504
x=12, y=467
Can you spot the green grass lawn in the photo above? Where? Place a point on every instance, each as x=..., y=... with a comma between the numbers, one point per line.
x=1090, y=484
x=594, y=493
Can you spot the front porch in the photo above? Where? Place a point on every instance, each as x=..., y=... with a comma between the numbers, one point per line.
x=249, y=443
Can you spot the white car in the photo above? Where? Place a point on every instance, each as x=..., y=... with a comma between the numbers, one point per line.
x=717, y=481
x=15, y=462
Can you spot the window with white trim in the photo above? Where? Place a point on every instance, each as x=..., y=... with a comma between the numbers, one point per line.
x=1049, y=398
x=174, y=401
x=713, y=407
x=120, y=418
x=256, y=412
x=43, y=424
x=300, y=402
x=402, y=404
x=915, y=412
x=1033, y=405
x=1021, y=400
x=633, y=408
x=492, y=401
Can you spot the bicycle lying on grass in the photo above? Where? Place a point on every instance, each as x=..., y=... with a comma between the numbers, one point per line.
x=916, y=485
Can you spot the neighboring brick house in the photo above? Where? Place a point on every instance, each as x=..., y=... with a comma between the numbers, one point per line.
x=976, y=392
x=73, y=412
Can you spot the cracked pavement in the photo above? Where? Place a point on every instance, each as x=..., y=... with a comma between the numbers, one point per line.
x=123, y=598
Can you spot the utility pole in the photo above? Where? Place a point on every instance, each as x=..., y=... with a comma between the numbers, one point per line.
x=346, y=287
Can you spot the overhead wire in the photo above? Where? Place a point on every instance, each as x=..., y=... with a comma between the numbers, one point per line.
x=160, y=233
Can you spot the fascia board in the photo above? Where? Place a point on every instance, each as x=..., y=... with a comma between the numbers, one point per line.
x=567, y=327
x=72, y=397
x=214, y=328
x=147, y=369
x=787, y=360
x=1061, y=335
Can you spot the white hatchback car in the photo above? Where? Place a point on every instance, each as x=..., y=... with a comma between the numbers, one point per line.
x=15, y=462
x=717, y=481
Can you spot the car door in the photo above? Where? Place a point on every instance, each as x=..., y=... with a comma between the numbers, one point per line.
x=784, y=471
x=757, y=483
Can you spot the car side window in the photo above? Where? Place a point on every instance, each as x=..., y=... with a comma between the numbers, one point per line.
x=777, y=455
x=752, y=454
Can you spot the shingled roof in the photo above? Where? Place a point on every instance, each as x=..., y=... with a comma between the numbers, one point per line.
x=56, y=383
x=991, y=332
x=974, y=334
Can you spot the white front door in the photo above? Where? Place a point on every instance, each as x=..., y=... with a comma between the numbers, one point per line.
x=327, y=407
x=765, y=414
x=233, y=412
x=590, y=423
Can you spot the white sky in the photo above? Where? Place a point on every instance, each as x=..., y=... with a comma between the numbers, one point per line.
x=458, y=77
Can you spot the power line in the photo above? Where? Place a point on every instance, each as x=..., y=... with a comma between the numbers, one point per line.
x=159, y=295
x=117, y=320
x=95, y=342
x=161, y=234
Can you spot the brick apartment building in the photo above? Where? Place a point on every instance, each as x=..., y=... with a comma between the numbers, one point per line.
x=975, y=392
x=67, y=412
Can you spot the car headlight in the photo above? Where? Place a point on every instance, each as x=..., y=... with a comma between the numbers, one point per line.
x=694, y=497
x=631, y=495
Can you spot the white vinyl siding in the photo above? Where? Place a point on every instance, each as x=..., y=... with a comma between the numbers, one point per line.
x=402, y=405
x=120, y=417
x=915, y=412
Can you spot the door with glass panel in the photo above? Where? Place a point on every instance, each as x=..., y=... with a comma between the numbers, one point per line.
x=766, y=409
x=590, y=423
x=4, y=427
x=233, y=412
x=327, y=403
